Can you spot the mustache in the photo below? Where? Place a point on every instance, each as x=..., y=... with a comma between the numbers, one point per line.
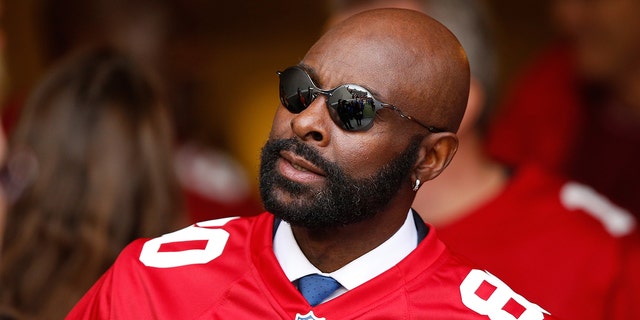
x=303, y=150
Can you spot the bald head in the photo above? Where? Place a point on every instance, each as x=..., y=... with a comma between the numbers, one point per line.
x=404, y=57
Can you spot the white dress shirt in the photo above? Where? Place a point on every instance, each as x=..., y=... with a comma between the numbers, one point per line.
x=296, y=265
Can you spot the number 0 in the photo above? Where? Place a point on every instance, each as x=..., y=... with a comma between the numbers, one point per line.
x=216, y=240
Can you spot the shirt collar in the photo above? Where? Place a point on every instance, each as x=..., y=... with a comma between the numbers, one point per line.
x=295, y=265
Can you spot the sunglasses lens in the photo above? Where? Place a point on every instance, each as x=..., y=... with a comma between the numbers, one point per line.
x=296, y=90
x=353, y=107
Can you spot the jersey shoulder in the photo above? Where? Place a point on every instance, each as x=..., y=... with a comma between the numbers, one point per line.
x=177, y=275
x=471, y=292
x=575, y=205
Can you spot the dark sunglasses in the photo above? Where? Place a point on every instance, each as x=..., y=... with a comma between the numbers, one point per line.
x=352, y=107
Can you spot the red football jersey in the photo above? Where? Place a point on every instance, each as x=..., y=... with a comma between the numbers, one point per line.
x=559, y=243
x=226, y=269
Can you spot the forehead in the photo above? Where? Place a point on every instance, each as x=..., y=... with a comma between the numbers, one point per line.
x=365, y=63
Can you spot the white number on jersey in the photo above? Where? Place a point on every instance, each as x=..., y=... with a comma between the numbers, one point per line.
x=616, y=220
x=215, y=239
x=487, y=295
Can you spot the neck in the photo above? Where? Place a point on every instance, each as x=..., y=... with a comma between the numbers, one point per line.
x=470, y=180
x=332, y=248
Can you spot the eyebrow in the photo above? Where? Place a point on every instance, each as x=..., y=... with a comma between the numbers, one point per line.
x=312, y=74
x=316, y=80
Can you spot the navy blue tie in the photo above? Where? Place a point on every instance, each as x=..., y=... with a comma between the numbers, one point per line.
x=315, y=288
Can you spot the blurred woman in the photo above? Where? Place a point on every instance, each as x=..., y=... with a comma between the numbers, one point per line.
x=92, y=170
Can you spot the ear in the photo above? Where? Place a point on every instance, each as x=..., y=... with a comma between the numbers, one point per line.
x=436, y=152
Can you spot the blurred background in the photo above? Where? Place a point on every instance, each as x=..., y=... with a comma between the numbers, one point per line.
x=218, y=58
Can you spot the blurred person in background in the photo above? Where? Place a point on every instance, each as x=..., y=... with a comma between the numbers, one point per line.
x=168, y=37
x=576, y=109
x=93, y=171
x=555, y=240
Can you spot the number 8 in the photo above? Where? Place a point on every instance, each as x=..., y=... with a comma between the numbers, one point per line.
x=493, y=306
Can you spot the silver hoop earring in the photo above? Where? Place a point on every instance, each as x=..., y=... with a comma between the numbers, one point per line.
x=416, y=186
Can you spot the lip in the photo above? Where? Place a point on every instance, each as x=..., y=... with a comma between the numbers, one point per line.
x=298, y=168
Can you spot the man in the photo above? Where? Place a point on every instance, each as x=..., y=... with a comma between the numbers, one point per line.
x=341, y=199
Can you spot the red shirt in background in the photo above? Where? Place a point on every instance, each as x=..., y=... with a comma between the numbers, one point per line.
x=551, y=119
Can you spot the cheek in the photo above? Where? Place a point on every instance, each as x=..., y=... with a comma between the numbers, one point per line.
x=362, y=158
x=281, y=123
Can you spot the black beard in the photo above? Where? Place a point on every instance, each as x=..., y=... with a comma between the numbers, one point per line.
x=343, y=201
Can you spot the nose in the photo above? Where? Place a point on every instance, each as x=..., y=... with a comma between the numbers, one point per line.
x=313, y=123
